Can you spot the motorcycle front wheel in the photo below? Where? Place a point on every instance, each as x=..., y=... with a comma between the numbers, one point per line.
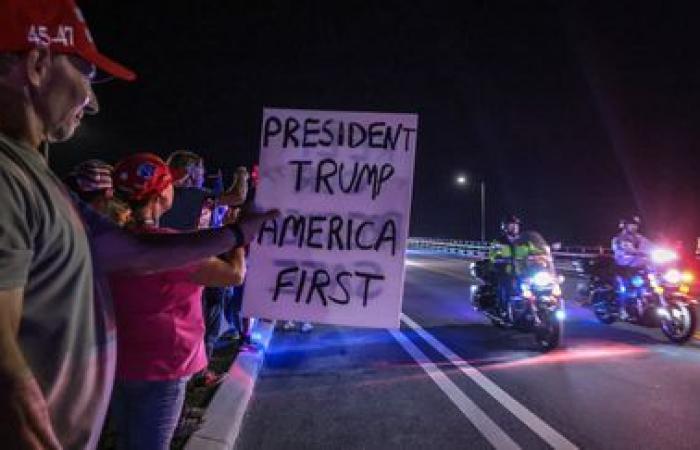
x=602, y=312
x=602, y=307
x=549, y=333
x=497, y=323
x=681, y=324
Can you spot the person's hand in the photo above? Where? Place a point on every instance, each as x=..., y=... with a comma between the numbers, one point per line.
x=238, y=192
x=242, y=171
x=24, y=416
x=231, y=216
x=241, y=181
x=251, y=220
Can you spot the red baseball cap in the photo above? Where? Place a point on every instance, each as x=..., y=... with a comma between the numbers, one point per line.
x=57, y=24
x=140, y=176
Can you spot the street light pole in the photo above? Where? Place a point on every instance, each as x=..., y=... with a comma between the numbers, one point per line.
x=462, y=181
x=483, y=210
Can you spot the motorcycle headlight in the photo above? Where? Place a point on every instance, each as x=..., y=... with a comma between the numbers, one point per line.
x=525, y=290
x=663, y=256
x=542, y=279
x=673, y=276
x=653, y=280
x=637, y=281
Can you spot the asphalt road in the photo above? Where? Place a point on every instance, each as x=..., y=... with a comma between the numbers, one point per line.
x=450, y=380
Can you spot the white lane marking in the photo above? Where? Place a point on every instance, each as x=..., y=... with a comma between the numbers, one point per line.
x=487, y=427
x=537, y=425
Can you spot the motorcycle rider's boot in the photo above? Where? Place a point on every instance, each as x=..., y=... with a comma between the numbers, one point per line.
x=502, y=309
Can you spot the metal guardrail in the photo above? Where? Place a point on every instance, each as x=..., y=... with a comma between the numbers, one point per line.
x=467, y=248
x=457, y=246
x=566, y=258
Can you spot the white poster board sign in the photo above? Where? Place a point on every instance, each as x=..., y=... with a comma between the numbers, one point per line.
x=343, y=182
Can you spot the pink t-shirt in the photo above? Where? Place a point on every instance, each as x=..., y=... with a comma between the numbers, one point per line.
x=160, y=328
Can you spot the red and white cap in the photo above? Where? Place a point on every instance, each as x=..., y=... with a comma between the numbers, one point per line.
x=140, y=176
x=57, y=24
x=93, y=175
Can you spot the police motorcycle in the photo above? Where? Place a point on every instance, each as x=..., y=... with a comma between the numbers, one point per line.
x=657, y=295
x=534, y=304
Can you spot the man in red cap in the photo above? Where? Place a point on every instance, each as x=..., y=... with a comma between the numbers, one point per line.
x=57, y=334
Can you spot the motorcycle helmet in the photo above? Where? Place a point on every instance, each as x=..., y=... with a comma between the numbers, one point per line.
x=633, y=220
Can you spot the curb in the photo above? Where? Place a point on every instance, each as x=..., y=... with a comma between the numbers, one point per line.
x=224, y=416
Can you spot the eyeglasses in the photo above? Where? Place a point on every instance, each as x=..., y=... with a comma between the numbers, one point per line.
x=85, y=67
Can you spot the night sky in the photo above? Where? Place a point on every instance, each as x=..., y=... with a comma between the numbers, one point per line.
x=574, y=116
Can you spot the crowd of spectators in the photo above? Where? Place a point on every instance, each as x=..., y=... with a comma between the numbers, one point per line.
x=170, y=321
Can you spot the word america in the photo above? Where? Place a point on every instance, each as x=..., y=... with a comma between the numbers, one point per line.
x=330, y=233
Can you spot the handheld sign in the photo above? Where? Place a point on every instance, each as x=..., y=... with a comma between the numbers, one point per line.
x=343, y=183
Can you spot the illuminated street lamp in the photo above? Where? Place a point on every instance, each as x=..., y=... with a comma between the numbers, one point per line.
x=463, y=181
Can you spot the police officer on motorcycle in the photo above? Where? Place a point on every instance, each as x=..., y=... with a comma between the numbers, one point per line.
x=506, y=255
x=630, y=248
x=631, y=253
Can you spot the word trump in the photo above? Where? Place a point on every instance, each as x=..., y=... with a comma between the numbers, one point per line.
x=332, y=177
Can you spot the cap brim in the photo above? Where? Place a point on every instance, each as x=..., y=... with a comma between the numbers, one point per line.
x=111, y=67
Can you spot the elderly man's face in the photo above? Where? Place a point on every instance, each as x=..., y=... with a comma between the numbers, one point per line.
x=65, y=96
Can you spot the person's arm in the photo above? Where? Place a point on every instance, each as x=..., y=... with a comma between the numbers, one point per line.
x=497, y=252
x=227, y=270
x=646, y=246
x=24, y=414
x=232, y=199
x=536, y=250
x=116, y=249
x=24, y=417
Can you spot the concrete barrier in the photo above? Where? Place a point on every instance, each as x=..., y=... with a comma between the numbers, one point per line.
x=224, y=415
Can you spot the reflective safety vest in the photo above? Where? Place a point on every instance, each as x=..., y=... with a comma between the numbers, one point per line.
x=515, y=253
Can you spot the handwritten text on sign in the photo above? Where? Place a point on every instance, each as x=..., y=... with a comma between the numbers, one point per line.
x=343, y=182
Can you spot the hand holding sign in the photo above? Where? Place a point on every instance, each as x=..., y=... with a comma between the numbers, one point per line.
x=250, y=221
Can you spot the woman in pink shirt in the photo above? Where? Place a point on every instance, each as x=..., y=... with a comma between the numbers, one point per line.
x=160, y=328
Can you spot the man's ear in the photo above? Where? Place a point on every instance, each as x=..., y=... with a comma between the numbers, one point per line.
x=37, y=65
